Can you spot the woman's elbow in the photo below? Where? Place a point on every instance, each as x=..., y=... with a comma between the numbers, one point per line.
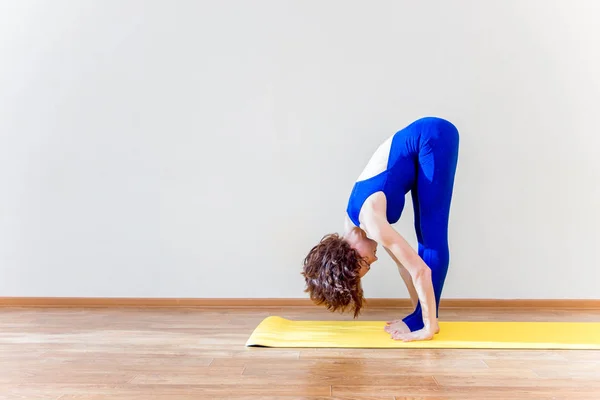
x=422, y=273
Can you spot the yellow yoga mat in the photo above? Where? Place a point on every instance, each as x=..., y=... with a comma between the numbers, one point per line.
x=280, y=332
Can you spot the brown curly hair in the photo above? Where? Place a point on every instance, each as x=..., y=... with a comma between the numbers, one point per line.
x=331, y=271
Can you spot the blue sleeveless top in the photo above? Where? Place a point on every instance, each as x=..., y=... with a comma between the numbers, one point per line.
x=395, y=181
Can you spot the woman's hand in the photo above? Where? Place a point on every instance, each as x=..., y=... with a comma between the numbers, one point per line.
x=396, y=326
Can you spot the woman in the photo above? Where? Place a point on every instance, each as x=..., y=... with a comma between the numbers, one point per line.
x=421, y=159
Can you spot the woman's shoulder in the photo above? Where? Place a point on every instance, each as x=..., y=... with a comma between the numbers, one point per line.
x=374, y=207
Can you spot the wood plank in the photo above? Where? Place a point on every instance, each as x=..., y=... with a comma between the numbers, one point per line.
x=182, y=396
x=514, y=381
x=363, y=363
x=466, y=392
x=212, y=391
x=103, y=302
x=382, y=372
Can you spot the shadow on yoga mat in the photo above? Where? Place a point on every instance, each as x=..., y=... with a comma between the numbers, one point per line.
x=280, y=332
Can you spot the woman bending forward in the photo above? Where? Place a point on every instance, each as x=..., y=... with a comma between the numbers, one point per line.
x=421, y=159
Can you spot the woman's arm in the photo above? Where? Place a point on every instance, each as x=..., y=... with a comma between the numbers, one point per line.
x=384, y=233
x=375, y=222
x=406, y=277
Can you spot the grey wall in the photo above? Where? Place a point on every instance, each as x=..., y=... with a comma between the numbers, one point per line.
x=200, y=148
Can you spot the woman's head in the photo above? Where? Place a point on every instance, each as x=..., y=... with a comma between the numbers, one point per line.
x=333, y=269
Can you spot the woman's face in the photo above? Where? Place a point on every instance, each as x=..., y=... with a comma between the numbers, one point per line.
x=366, y=248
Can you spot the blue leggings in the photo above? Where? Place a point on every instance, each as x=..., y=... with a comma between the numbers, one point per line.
x=435, y=156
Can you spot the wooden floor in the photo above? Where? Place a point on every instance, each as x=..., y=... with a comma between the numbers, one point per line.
x=199, y=354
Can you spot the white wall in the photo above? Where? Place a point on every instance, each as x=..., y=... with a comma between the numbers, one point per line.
x=200, y=148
